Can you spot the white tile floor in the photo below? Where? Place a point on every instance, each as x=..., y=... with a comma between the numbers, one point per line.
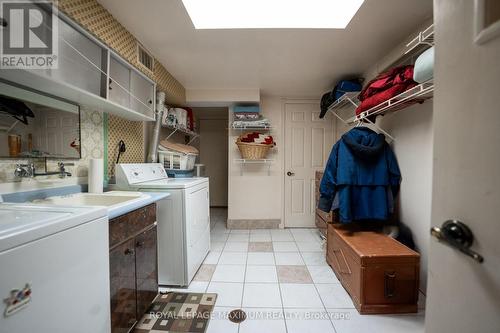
x=250, y=280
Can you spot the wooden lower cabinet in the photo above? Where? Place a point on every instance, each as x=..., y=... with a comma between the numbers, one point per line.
x=146, y=270
x=133, y=267
x=123, y=290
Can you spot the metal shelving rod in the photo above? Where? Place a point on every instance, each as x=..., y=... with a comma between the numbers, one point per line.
x=172, y=133
x=193, y=138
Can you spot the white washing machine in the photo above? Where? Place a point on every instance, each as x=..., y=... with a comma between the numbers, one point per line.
x=54, y=269
x=183, y=218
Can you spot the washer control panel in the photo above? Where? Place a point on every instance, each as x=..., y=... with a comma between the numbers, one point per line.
x=135, y=173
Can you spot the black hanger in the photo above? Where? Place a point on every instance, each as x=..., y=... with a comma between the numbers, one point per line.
x=16, y=109
x=121, y=149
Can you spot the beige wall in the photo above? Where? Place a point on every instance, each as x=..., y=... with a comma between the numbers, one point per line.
x=412, y=129
x=255, y=195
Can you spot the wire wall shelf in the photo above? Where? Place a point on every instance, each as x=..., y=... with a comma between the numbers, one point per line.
x=417, y=94
x=243, y=162
x=253, y=128
x=193, y=135
x=425, y=39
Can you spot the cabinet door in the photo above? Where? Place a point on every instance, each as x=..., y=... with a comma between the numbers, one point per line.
x=123, y=292
x=146, y=268
x=80, y=60
x=142, y=94
x=119, y=82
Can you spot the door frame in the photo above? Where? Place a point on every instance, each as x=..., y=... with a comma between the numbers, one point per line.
x=293, y=100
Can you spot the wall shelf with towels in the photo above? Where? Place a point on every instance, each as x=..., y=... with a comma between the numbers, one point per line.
x=417, y=94
x=251, y=128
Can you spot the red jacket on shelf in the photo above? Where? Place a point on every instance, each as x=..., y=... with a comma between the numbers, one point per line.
x=385, y=86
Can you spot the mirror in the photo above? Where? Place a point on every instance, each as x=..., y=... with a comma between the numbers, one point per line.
x=34, y=125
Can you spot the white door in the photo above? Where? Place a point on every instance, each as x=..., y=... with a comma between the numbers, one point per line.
x=308, y=141
x=464, y=295
x=56, y=131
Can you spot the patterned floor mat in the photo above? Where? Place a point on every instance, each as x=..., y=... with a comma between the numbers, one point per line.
x=178, y=312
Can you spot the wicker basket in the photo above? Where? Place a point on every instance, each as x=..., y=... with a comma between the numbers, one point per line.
x=253, y=151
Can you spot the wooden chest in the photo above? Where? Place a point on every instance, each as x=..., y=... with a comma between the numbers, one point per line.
x=380, y=274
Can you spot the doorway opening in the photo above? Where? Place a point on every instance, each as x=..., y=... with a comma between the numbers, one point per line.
x=212, y=125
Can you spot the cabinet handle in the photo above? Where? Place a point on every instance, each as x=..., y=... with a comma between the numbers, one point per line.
x=129, y=252
x=109, y=86
x=139, y=244
x=389, y=284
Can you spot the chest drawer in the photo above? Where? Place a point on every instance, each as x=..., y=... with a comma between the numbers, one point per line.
x=128, y=225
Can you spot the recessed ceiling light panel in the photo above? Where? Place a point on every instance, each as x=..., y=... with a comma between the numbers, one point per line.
x=262, y=14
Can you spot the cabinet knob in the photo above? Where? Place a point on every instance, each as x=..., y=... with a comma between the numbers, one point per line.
x=139, y=244
x=150, y=102
x=129, y=252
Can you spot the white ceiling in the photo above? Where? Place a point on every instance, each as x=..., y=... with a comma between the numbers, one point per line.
x=284, y=62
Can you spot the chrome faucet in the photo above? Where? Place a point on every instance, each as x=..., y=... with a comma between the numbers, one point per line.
x=62, y=170
x=25, y=170
x=29, y=171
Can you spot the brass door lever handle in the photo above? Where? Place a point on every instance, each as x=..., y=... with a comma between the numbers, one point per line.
x=457, y=235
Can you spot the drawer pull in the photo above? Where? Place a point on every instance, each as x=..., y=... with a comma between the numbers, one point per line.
x=338, y=262
x=389, y=284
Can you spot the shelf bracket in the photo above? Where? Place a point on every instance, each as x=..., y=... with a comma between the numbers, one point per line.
x=380, y=129
x=170, y=135
x=340, y=118
x=193, y=138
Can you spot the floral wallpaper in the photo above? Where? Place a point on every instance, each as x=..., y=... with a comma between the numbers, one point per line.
x=92, y=146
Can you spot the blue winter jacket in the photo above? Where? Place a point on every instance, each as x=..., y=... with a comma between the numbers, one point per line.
x=361, y=177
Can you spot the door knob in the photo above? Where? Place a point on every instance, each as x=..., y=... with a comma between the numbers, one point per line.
x=457, y=235
x=290, y=174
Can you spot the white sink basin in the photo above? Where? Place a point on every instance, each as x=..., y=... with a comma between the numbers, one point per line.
x=109, y=199
x=16, y=217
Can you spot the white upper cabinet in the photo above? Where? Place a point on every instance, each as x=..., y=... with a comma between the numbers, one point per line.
x=142, y=94
x=129, y=88
x=119, y=82
x=80, y=60
x=91, y=75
